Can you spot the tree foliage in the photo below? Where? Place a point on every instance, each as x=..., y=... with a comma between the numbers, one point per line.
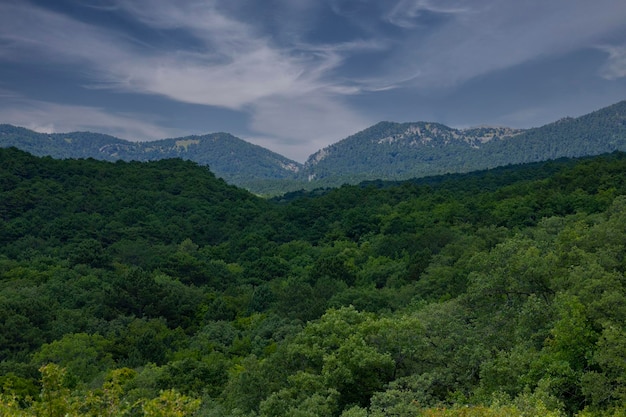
x=156, y=289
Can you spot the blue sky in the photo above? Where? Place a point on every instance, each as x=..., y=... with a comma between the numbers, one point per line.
x=297, y=75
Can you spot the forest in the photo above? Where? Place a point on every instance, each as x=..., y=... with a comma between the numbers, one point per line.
x=157, y=289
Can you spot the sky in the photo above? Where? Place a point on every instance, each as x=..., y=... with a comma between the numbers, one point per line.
x=294, y=76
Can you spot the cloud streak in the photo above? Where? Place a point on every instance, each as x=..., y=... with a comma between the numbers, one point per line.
x=408, y=13
x=321, y=119
x=482, y=37
x=236, y=67
x=616, y=65
x=296, y=69
x=46, y=117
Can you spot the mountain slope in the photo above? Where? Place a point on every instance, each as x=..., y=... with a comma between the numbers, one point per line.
x=401, y=150
x=595, y=133
x=60, y=145
x=229, y=157
x=387, y=150
x=405, y=150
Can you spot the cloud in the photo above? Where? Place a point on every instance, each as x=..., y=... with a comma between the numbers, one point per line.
x=408, y=13
x=230, y=61
x=32, y=34
x=235, y=66
x=274, y=67
x=240, y=63
x=48, y=117
x=616, y=65
x=310, y=123
x=287, y=90
x=244, y=80
x=481, y=37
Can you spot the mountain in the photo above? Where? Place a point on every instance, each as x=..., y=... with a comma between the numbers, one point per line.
x=387, y=150
x=406, y=150
x=400, y=151
x=229, y=157
x=592, y=134
x=60, y=145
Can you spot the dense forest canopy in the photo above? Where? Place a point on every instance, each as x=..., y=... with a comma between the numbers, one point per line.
x=156, y=289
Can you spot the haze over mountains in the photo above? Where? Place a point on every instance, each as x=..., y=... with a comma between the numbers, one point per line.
x=387, y=150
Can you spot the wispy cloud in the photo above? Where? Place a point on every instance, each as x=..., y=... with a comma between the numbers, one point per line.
x=616, y=65
x=236, y=67
x=408, y=13
x=48, y=117
x=483, y=36
x=317, y=117
x=289, y=77
x=33, y=34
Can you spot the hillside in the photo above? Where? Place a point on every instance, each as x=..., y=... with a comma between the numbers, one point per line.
x=70, y=145
x=405, y=150
x=400, y=151
x=229, y=157
x=156, y=289
x=385, y=151
x=591, y=134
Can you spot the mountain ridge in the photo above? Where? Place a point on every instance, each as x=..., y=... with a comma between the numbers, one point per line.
x=406, y=150
x=395, y=146
x=231, y=159
x=386, y=150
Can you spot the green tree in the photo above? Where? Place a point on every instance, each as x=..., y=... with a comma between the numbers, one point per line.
x=82, y=356
x=55, y=399
x=170, y=404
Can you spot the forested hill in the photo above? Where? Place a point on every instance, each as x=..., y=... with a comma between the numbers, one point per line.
x=156, y=289
x=229, y=157
x=393, y=151
x=405, y=150
x=592, y=134
x=385, y=151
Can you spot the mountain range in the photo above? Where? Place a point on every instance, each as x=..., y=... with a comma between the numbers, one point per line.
x=387, y=150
